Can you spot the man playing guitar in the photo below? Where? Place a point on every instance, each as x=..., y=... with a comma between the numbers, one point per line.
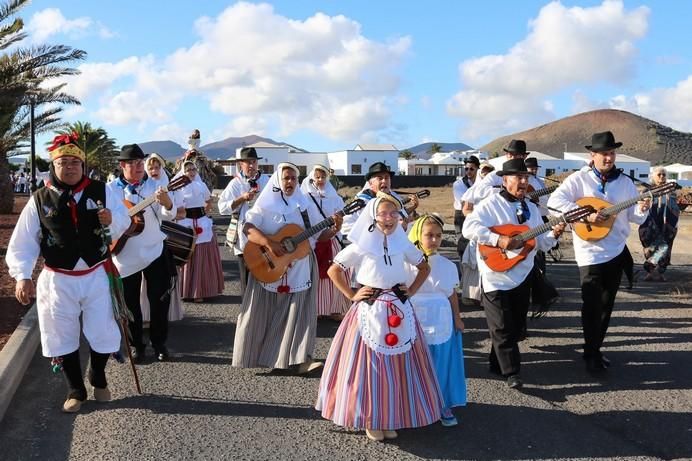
x=236, y=199
x=601, y=262
x=144, y=254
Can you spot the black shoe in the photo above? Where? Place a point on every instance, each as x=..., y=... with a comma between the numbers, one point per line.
x=514, y=382
x=595, y=365
x=494, y=368
x=161, y=353
x=138, y=354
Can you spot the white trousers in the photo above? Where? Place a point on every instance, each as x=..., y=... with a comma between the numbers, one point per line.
x=62, y=298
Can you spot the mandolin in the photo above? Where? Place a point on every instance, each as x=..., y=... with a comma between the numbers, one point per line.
x=266, y=267
x=500, y=260
x=596, y=231
x=136, y=213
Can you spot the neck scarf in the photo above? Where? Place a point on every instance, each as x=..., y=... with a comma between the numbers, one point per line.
x=610, y=175
x=67, y=192
x=523, y=212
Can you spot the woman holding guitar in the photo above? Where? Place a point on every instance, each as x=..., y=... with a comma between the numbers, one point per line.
x=601, y=259
x=277, y=322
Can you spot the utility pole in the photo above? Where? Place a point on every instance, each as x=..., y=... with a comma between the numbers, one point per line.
x=32, y=125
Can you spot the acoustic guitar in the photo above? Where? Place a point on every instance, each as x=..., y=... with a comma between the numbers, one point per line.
x=136, y=213
x=266, y=267
x=534, y=194
x=500, y=260
x=596, y=231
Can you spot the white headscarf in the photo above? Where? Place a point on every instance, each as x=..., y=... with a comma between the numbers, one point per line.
x=273, y=199
x=369, y=238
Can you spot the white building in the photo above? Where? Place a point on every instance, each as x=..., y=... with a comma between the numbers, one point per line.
x=547, y=164
x=635, y=167
x=355, y=161
x=439, y=163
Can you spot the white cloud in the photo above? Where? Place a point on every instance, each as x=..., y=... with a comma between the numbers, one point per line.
x=51, y=21
x=264, y=69
x=564, y=47
x=669, y=106
x=246, y=124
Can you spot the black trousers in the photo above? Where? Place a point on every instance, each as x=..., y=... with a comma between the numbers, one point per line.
x=505, y=312
x=158, y=277
x=599, y=286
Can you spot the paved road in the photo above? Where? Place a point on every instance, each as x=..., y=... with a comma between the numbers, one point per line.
x=197, y=407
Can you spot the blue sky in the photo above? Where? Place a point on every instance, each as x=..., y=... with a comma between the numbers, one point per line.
x=331, y=74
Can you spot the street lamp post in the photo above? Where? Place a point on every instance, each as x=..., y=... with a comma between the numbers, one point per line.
x=32, y=128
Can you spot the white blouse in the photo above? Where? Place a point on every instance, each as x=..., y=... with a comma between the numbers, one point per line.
x=195, y=195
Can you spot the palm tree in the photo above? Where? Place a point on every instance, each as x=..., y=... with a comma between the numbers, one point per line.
x=434, y=148
x=24, y=74
x=406, y=154
x=100, y=149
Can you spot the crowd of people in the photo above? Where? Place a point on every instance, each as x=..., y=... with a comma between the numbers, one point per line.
x=396, y=360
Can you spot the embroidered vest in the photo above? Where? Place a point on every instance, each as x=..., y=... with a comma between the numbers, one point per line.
x=62, y=244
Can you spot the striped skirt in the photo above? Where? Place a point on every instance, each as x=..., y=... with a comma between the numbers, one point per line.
x=202, y=275
x=329, y=299
x=363, y=389
x=275, y=330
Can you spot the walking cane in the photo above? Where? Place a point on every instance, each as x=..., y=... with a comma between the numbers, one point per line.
x=117, y=299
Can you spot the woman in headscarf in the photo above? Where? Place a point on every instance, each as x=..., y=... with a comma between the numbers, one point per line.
x=202, y=276
x=316, y=186
x=658, y=231
x=155, y=166
x=277, y=323
x=378, y=375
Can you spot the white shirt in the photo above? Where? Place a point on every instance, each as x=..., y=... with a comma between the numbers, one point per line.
x=371, y=270
x=458, y=189
x=491, y=184
x=141, y=250
x=24, y=247
x=298, y=276
x=195, y=195
x=236, y=188
x=493, y=211
x=584, y=183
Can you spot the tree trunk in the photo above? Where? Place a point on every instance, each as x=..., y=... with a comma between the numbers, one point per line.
x=6, y=190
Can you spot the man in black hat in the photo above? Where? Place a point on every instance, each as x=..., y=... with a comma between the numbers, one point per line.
x=601, y=262
x=516, y=149
x=505, y=295
x=144, y=254
x=236, y=199
x=379, y=179
x=460, y=186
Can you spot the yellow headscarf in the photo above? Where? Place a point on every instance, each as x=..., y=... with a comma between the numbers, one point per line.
x=415, y=235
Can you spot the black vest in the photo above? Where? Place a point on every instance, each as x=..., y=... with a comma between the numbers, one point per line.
x=61, y=243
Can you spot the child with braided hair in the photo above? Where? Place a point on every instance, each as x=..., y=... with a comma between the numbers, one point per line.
x=437, y=308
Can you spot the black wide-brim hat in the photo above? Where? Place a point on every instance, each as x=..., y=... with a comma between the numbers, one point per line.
x=531, y=162
x=131, y=152
x=601, y=142
x=513, y=167
x=247, y=153
x=516, y=146
x=378, y=167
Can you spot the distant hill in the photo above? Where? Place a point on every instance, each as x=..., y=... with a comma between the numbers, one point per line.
x=641, y=137
x=422, y=150
x=166, y=149
x=221, y=149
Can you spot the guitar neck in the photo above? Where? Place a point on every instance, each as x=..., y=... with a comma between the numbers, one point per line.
x=309, y=232
x=541, y=192
x=141, y=205
x=536, y=231
x=615, y=209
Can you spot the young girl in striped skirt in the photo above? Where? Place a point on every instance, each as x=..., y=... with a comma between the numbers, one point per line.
x=378, y=375
x=437, y=309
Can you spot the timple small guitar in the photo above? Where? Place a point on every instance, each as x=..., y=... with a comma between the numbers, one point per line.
x=500, y=260
x=596, y=231
x=136, y=213
x=266, y=267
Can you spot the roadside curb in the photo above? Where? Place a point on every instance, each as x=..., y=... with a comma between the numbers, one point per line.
x=16, y=356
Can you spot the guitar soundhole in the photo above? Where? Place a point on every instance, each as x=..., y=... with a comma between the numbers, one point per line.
x=288, y=245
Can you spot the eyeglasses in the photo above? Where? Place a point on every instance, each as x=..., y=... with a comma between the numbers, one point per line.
x=385, y=215
x=68, y=164
x=469, y=168
x=663, y=175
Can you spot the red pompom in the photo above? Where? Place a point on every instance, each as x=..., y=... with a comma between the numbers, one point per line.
x=198, y=230
x=284, y=289
x=391, y=339
x=394, y=320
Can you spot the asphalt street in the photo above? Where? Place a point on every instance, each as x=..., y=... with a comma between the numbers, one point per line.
x=196, y=406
